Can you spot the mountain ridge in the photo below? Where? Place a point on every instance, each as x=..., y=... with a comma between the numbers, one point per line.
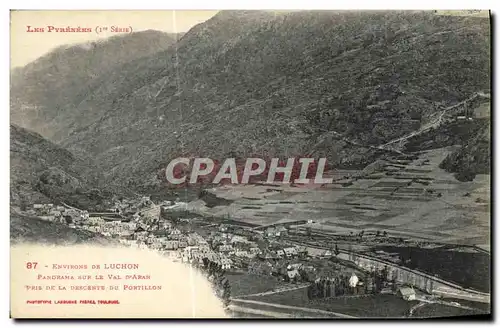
x=251, y=82
x=44, y=86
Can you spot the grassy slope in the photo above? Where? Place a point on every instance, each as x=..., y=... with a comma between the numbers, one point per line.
x=41, y=171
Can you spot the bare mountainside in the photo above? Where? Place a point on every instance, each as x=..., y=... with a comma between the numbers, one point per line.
x=246, y=83
x=41, y=89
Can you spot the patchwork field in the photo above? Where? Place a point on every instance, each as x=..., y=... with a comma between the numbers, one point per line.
x=410, y=199
x=366, y=306
x=244, y=284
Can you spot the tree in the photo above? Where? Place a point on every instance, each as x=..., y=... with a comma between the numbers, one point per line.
x=465, y=175
x=206, y=261
x=309, y=292
x=328, y=288
x=385, y=273
x=312, y=291
x=402, y=259
x=336, y=251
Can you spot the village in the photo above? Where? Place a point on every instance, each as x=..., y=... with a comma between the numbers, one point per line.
x=168, y=229
x=291, y=256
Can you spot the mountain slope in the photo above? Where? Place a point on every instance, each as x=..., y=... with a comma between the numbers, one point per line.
x=25, y=229
x=41, y=171
x=42, y=88
x=472, y=158
x=249, y=83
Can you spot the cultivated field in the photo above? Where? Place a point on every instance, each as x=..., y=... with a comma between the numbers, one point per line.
x=409, y=199
x=366, y=306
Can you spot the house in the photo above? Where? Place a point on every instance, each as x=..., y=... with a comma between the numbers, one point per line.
x=238, y=239
x=171, y=244
x=407, y=293
x=225, y=248
x=270, y=232
x=353, y=280
x=152, y=240
x=290, y=251
x=140, y=229
x=165, y=225
x=295, y=266
x=268, y=255
x=55, y=213
x=95, y=220
x=226, y=264
x=47, y=218
x=141, y=235
x=254, y=250
x=281, y=230
x=175, y=232
x=156, y=245
x=293, y=274
x=131, y=225
x=38, y=206
x=302, y=251
x=146, y=200
x=241, y=253
x=327, y=253
x=212, y=256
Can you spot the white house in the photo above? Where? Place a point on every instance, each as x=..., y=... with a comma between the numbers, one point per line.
x=407, y=293
x=226, y=264
x=353, y=281
x=292, y=274
x=290, y=251
x=47, y=217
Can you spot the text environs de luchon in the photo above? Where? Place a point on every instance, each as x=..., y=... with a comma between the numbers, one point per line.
x=110, y=266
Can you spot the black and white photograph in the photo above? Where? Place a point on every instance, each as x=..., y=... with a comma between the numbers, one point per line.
x=305, y=164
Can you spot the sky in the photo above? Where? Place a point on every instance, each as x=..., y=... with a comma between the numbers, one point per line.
x=28, y=46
